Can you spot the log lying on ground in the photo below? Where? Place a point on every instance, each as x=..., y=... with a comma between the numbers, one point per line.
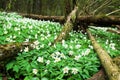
x=111, y=68
x=96, y=20
x=101, y=75
x=60, y=19
x=100, y=20
x=68, y=26
x=113, y=31
x=8, y=51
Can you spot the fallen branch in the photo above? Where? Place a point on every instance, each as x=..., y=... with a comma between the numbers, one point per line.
x=68, y=26
x=113, y=31
x=111, y=68
x=113, y=12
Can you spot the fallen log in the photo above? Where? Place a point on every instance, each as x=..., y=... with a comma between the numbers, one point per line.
x=101, y=75
x=113, y=31
x=68, y=26
x=100, y=20
x=60, y=19
x=8, y=51
x=90, y=20
x=111, y=68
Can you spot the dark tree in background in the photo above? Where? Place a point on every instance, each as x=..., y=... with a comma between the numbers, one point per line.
x=59, y=7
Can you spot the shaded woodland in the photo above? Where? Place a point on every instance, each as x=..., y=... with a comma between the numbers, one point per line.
x=75, y=15
x=59, y=7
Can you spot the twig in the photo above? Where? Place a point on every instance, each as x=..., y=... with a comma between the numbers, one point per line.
x=113, y=12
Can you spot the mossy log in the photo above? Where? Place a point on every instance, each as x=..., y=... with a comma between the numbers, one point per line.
x=110, y=67
x=101, y=75
x=68, y=26
x=10, y=50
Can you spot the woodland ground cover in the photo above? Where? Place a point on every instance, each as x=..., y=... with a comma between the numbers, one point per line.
x=74, y=58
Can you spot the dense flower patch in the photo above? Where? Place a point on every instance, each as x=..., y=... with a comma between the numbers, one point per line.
x=74, y=58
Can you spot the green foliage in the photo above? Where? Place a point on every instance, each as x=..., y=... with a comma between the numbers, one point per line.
x=69, y=60
x=109, y=41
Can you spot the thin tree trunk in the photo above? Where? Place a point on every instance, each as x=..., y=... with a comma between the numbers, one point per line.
x=111, y=68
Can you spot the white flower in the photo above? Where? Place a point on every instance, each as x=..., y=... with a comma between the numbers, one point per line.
x=26, y=40
x=63, y=41
x=74, y=70
x=40, y=59
x=36, y=42
x=77, y=46
x=35, y=71
x=112, y=45
x=26, y=49
x=66, y=70
x=48, y=35
x=90, y=46
x=57, y=53
x=42, y=38
x=57, y=59
x=55, y=37
x=77, y=57
x=106, y=42
x=54, y=46
x=36, y=36
x=16, y=29
x=62, y=56
x=53, y=55
x=5, y=32
x=86, y=52
x=19, y=33
x=37, y=47
x=48, y=62
x=42, y=46
x=8, y=39
x=30, y=27
x=70, y=53
x=71, y=47
x=49, y=43
x=65, y=45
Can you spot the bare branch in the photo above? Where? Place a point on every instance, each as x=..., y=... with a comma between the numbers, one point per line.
x=106, y=3
x=113, y=12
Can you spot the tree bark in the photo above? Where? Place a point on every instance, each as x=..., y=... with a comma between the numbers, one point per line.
x=114, y=31
x=90, y=20
x=68, y=26
x=101, y=75
x=111, y=68
x=8, y=51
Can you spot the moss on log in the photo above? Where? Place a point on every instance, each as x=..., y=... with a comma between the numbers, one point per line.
x=110, y=67
x=68, y=26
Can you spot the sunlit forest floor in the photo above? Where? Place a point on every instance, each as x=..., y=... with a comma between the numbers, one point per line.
x=74, y=58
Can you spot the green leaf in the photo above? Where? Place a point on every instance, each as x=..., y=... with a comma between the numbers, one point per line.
x=10, y=65
x=16, y=68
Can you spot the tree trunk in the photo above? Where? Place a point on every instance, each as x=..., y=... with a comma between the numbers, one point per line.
x=68, y=26
x=111, y=68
